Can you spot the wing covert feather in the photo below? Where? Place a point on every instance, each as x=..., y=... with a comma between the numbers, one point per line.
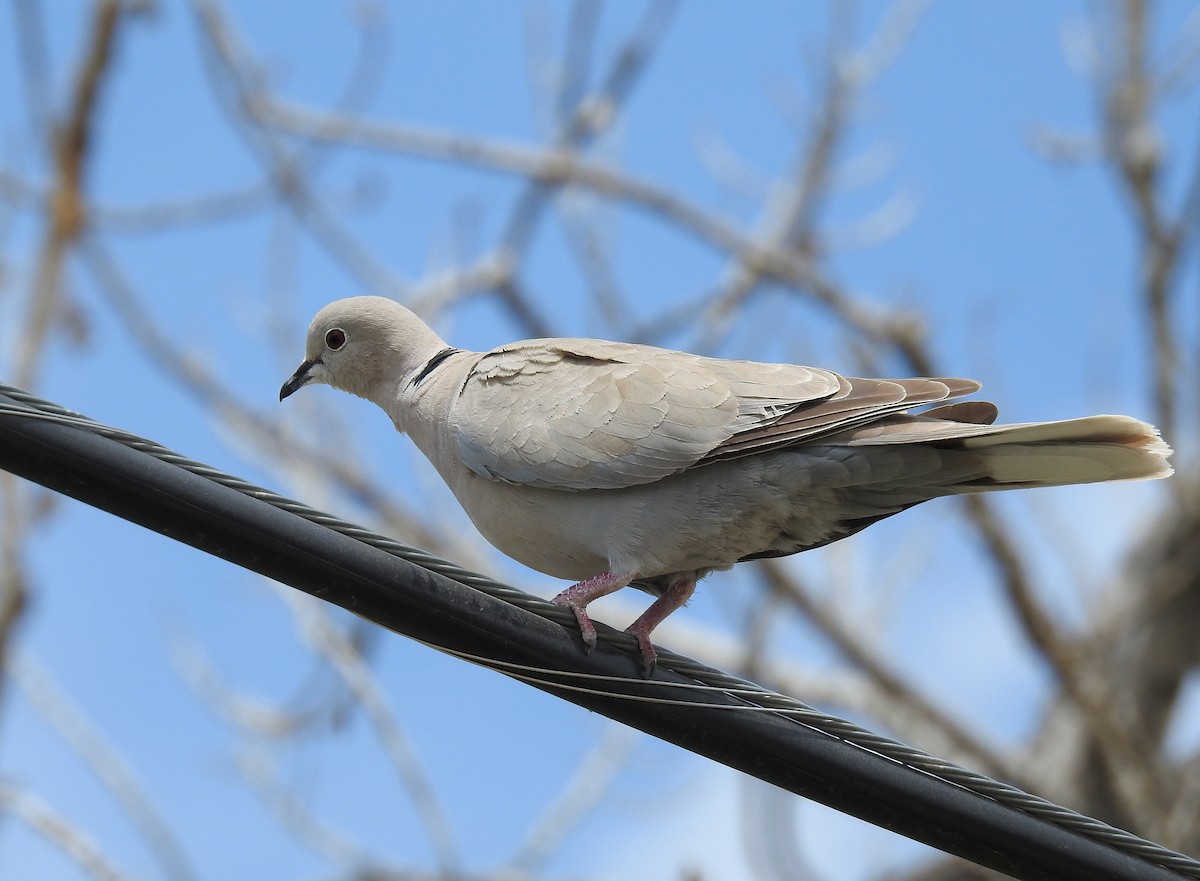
x=573, y=414
x=563, y=416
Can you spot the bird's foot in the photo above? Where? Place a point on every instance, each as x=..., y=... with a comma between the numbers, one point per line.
x=649, y=655
x=577, y=596
x=676, y=593
x=587, y=629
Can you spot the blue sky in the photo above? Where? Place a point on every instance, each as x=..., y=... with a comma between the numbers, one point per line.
x=1023, y=268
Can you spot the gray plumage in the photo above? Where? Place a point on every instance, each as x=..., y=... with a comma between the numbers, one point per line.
x=613, y=464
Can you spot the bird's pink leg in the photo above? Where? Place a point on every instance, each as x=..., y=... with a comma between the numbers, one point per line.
x=676, y=594
x=577, y=596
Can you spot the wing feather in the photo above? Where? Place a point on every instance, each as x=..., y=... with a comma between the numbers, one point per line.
x=586, y=414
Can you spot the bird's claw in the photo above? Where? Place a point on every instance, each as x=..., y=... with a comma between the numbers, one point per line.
x=587, y=630
x=649, y=655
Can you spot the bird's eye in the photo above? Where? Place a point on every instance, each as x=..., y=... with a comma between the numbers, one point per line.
x=335, y=338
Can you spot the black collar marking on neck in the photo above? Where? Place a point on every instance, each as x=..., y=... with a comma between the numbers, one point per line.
x=432, y=364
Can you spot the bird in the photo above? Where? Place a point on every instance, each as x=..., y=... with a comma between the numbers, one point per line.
x=614, y=464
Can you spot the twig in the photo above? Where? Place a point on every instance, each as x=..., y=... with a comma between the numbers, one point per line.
x=243, y=712
x=163, y=216
x=198, y=381
x=257, y=769
x=790, y=221
x=564, y=168
x=1127, y=91
x=589, y=784
x=1128, y=758
x=106, y=763
x=593, y=254
x=582, y=120
x=318, y=630
x=14, y=589
x=286, y=171
x=768, y=828
x=67, y=211
x=554, y=165
x=60, y=832
x=893, y=687
x=66, y=216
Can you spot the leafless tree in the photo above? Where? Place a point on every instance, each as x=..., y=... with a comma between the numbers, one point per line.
x=1117, y=675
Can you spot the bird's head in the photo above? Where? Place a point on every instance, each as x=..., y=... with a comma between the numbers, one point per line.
x=359, y=343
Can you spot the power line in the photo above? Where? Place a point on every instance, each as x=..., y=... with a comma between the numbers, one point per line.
x=730, y=720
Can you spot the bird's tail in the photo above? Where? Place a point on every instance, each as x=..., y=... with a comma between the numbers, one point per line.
x=903, y=460
x=1088, y=450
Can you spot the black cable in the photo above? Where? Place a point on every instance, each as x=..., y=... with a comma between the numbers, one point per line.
x=730, y=720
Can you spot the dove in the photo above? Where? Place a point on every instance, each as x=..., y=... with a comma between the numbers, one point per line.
x=612, y=464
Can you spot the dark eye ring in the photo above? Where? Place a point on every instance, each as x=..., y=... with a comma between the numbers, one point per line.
x=335, y=338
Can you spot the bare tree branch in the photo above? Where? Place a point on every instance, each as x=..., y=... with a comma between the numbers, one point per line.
x=109, y=766
x=229, y=408
x=67, y=211
x=1127, y=93
x=580, y=795
x=316, y=626
x=894, y=689
x=286, y=170
x=66, y=217
x=60, y=832
x=1117, y=673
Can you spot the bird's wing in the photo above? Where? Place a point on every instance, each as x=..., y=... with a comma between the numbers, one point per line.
x=573, y=414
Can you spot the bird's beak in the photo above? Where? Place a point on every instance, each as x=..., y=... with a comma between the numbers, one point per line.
x=299, y=378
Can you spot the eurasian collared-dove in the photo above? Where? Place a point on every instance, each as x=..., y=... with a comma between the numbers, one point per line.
x=614, y=464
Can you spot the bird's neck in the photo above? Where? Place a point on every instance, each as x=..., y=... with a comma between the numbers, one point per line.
x=421, y=409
